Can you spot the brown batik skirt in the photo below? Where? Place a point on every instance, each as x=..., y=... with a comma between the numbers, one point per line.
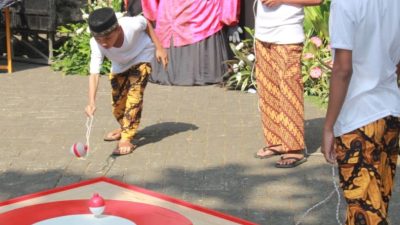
x=367, y=164
x=280, y=89
x=127, y=97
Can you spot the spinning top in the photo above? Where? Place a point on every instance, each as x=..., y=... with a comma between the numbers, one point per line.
x=79, y=149
x=96, y=205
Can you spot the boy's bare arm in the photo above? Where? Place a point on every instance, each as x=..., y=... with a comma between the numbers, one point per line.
x=340, y=79
x=274, y=3
x=93, y=84
x=339, y=83
x=161, y=53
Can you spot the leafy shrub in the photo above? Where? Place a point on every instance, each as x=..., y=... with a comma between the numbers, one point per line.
x=240, y=69
x=316, y=68
x=317, y=57
x=73, y=57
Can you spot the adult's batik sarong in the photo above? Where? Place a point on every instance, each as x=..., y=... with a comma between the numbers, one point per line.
x=367, y=163
x=280, y=89
x=127, y=97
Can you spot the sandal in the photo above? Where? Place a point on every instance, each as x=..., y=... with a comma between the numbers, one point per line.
x=118, y=150
x=294, y=161
x=114, y=135
x=268, y=148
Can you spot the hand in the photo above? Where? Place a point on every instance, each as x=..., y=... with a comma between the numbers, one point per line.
x=90, y=109
x=272, y=3
x=162, y=56
x=327, y=147
x=233, y=34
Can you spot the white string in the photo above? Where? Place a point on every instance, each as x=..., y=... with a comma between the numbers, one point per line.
x=338, y=195
x=254, y=46
x=325, y=200
x=89, y=124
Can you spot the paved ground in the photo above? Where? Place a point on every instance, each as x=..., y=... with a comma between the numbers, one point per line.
x=196, y=144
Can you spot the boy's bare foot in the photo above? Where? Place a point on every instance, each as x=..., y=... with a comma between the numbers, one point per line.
x=114, y=135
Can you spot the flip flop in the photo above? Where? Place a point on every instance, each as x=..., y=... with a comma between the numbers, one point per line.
x=114, y=135
x=294, y=163
x=268, y=148
x=117, y=151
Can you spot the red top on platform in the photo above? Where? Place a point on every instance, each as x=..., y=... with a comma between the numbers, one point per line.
x=96, y=201
x=110, y=207
x=138, y=213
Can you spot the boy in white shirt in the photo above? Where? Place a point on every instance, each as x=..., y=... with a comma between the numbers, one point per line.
x=128, y=43
x=361, y=131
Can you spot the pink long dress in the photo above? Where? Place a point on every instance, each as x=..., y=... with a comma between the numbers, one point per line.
x=192, y=32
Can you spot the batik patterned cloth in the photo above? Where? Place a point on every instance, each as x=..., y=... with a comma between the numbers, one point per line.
x=127, y=97
x=367, y=164
x=280, y=89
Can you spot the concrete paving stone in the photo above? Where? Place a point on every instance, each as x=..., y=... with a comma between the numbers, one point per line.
x=134, y=178
x=68, y=179
x=155, y=186
x=77, y=166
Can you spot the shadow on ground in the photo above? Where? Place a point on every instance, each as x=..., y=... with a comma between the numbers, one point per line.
x=231, y=186
x=19, y=66
x=227, y=186
x=313, y=134
x=157, y=132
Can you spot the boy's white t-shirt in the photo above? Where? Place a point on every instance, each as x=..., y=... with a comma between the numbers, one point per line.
x=279, y=25
x=371, y=29
x=136, y=48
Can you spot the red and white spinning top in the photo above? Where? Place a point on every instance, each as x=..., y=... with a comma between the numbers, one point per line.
x=79, y=149
x=96, y=205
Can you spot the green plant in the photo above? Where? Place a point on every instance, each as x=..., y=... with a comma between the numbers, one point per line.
x=316, y=19
x=316, y=67
x=240, y=69
x=317, y=58
x=73, y=56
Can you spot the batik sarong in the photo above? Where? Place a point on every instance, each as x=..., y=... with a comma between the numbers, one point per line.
x=127, y=97
x=367, y=164
x=280, y=89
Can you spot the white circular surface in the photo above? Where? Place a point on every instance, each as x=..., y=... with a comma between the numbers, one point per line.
x=85, y=219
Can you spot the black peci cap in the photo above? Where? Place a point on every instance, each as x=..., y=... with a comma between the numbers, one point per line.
x=102, y=21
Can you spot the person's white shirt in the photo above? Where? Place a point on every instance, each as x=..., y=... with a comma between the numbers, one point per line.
x=371, y=30
x=279, y=25
x=136, y=48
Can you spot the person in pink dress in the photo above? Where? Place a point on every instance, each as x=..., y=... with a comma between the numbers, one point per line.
x=192, y=31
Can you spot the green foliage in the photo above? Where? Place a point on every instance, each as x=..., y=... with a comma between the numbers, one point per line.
x=316, y=19
x=317, y=58
x=240, y=69
x=316, y=68
x=73, y=57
